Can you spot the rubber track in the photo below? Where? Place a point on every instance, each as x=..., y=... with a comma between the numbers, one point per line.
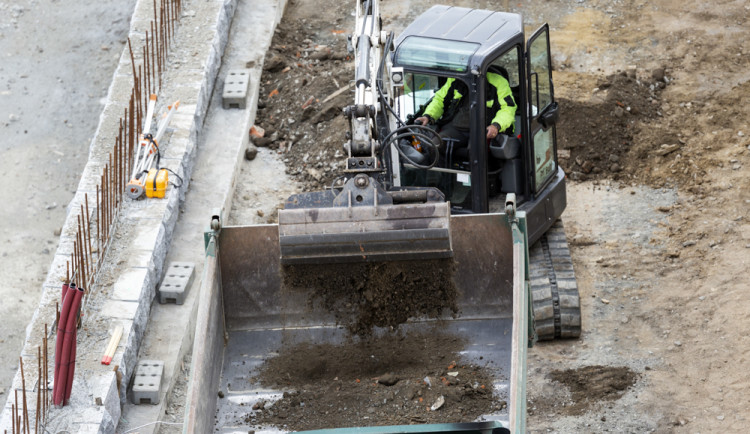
x=554, y=291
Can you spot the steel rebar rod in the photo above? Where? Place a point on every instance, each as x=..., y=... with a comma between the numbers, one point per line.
x=164, y=40
x=82, y=256
x=155, y=58
x=105, y=207
x=140, y=100
x=16, y=417
x=98, y=228
x=86, y=240
x=132, y=58
x=132, y=138
x=81, y=237
x=118, y=157
x=88, y=229
x=110, y=192
x=23, y=391
x=39, y=390
x=75, y=262
x=147, y=70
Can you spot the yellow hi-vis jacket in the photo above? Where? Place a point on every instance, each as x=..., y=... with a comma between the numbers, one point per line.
x=501, y=107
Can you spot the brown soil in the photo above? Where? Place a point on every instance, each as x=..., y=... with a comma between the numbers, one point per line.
x=395, y=379
x=596, y=139
x=307, y=63
x=587, y=388
x=385, y=294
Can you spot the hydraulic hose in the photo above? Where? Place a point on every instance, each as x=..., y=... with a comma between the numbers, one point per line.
x=427, y=135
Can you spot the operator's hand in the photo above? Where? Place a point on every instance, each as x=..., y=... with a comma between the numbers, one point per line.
x=422, y=120
x=491, y=132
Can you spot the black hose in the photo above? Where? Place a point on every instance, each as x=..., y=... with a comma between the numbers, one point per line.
x=379, y=82
x=426, y=134
x=177, y=176
x=404, y=131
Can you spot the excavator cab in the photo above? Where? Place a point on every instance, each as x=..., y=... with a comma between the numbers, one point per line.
x=467, y=45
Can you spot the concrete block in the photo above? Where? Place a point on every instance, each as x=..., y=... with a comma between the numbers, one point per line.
x=176, y=283
x=129, y=284
x=146, y=236
x=235, y=89
x=146, y=209
x=119, y=309
x=147, y=381
x=103, y=390
x=138, y=258
x=89, y=428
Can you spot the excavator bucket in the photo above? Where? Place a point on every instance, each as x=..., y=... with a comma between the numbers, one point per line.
x=246, y=314
x=365, y=233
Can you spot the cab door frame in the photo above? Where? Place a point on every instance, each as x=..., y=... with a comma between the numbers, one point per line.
x=480, y=198
x=542, y=112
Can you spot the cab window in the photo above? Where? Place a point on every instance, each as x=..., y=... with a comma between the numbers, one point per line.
x=450, y=174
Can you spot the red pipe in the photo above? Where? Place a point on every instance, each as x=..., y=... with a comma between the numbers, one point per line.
x=68, y=332
x=66, y=303
x=73, y=343
x=64, y=291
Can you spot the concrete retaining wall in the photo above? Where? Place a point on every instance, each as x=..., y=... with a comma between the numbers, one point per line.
x=133, y=264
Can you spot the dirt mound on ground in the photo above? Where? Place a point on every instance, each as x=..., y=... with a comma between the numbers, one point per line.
x=304, y=88
x=384, y=294
x=596, y=137
x=384, y=381
x=587, y=387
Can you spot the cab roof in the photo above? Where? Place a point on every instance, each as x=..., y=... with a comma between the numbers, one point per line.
x=487, y=28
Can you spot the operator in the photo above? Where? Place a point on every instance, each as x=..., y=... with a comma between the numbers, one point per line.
x=450, y=109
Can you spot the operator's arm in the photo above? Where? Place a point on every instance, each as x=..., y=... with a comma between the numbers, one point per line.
x=506, y=114
x=435, y=108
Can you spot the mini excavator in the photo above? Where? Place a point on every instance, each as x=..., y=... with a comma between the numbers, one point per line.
x=403, y=197
x=394, y=202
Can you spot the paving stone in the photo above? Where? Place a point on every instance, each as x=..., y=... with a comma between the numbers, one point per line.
x=129, y=285
x=176, y=283
x=235, y=89
x=147, y=381
x=119, y=309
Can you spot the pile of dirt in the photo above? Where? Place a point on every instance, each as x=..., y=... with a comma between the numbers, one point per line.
x=304, y=88
x=383, y=294
x=395, y=379
x=596, y=137
x=587, y=387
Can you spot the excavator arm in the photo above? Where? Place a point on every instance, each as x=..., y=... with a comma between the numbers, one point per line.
x=363, y=220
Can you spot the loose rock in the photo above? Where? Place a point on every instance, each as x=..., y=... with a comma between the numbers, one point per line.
x=388, y=379
x=262, y=142
x=274, y=64
x=251, y=152
x=658, y=74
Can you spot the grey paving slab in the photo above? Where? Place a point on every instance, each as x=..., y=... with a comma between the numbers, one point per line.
x=147, y=382
x=176, y=283
x=236, y=86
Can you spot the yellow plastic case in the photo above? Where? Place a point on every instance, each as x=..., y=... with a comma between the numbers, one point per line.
x=156, y=183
